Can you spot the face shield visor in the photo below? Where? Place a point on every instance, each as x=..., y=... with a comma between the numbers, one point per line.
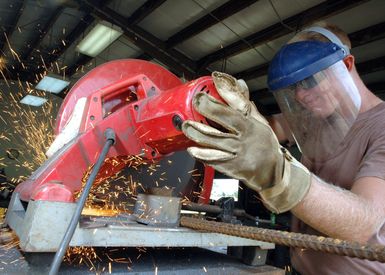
x=320, y=110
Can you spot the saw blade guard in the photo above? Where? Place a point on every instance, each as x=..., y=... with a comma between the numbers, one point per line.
x=108, y=74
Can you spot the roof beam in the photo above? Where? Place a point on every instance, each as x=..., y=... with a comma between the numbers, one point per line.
x=253, y=72
x=144, y=56
x=371, y=66
x=367, y=35
x=55, y=53
x=83, y=60
x=358, y=38
x=143, y=11
x=318, y=12
x=36, y=42
x=226, y=10
x=51, y=55
x=153, y=46
x=19, y=7
x=261, y=94
x=138, y=15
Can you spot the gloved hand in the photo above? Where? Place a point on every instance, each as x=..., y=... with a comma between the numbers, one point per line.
x=249, y=151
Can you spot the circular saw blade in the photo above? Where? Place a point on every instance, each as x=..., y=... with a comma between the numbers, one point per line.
x=177, y=175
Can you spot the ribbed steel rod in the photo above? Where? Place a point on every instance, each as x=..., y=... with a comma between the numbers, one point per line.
x=318, y=243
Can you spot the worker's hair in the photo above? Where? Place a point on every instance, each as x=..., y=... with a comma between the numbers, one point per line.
x=301, y=36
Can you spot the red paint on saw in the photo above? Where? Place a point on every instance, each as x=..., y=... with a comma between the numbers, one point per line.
x=142, y=102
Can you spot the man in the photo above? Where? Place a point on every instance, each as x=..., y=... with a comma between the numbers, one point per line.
x=338, y=125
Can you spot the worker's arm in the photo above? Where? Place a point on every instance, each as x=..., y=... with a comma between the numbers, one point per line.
x=351, y=215
x=249, y=151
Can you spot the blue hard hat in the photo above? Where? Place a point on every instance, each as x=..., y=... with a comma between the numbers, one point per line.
x=299, y=60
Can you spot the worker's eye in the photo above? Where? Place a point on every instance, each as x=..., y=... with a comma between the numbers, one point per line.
x=307, y=83
x=311, y=81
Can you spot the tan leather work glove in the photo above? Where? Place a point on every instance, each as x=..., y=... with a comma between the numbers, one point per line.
x=249, y=151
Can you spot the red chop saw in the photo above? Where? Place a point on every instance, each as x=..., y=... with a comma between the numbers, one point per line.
x=119, y=109
x=142, y=102
x=144, y=105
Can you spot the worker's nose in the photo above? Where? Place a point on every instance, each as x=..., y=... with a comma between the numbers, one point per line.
x=301, y=94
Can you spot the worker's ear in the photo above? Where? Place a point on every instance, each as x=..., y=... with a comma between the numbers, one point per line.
x=349, y=62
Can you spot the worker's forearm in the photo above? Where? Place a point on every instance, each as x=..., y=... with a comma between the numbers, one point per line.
x=338, y=213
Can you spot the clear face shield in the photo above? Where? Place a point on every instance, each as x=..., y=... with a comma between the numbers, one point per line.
x=320, y=110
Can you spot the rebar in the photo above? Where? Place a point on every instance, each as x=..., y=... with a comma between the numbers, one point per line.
x=291, y=239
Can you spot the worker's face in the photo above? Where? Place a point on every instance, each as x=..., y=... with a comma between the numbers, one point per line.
x=317, y=96
x=320, y=110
